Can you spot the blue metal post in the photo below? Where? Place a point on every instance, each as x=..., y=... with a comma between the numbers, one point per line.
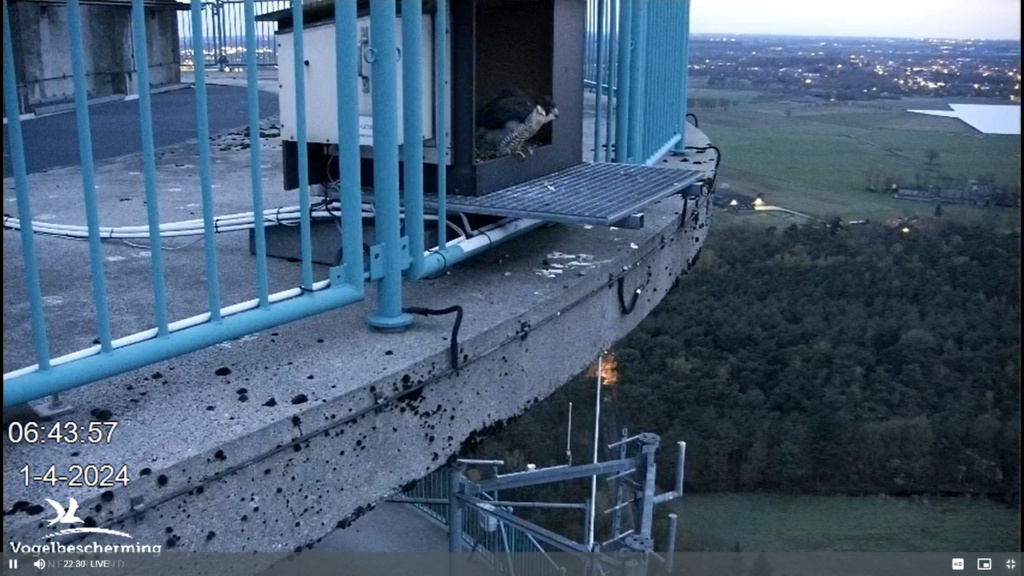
x=684, y=76
x=305, y=243
x=412, y=124
x=637, y=73
x=347, y=60
x=659, y=60
x=384, y=53
x=613, y=22
x=28, y=251
x=255, y=167
x=649, y=86
x=149, y=164
x=205, y=186
x=99, y=289
x=622, y=90
x=441, y=117
x=598, y=79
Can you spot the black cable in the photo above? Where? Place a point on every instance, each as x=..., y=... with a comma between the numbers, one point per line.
x=627, y=309
x=718, y=161
x=695, y=124
x=718, y=153
x=457, y=310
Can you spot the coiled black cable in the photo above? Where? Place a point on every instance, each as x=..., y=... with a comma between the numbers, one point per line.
x=457, y=310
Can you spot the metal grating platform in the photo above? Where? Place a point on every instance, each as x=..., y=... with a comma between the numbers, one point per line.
x=601, y=194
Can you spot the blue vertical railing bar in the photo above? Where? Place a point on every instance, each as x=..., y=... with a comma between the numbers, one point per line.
x=622, y=88
x=441, y=117
x=637, y=79
x=28, y=251
x=149, y=165
x=349, y=191
x=92, y=219
x=255, y=166
x=412, y=126
x=612, y=94
x=305, y=244
x=646, y=130
x=661, y=58
x=663, y=92
x=384, y=78
x=205, y=186
x=684, y=60
x=598, y=78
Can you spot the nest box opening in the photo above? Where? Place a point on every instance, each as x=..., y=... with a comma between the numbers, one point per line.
x=514, y=46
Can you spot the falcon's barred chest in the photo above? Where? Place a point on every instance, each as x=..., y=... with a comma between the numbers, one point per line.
x=514, y=140
x=508, y=122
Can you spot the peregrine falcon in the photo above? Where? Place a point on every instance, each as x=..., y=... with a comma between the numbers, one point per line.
x=506, y=123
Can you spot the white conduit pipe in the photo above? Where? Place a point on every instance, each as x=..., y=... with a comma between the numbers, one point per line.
x=231, y=223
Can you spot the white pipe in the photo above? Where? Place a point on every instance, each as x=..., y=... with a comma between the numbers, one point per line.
x=568, y=438
x=185, y=227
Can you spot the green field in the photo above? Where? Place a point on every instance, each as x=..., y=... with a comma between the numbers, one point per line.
x=779, y=523
x=816, y=159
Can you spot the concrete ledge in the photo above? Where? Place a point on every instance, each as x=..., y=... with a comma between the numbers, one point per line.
x=271, y=442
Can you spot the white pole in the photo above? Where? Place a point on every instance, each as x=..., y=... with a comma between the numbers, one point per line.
x=568, y=439
x=593, y=479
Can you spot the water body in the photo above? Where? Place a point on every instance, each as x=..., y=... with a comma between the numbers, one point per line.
x=985, y=118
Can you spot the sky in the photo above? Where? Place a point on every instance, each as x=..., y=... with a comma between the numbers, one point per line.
x=988, y=19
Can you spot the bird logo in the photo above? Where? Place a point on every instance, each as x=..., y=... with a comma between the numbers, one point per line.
x=69, y=516
x=65, y=516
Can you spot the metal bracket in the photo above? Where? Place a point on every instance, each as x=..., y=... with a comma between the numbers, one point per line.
x=363, y=47
x=50, y=407
x=337, y=274
x=376, y=262
x=406, y=257
x=631, y=222
x=378, y=258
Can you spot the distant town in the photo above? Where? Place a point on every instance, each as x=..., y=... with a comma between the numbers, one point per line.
x=858, y=68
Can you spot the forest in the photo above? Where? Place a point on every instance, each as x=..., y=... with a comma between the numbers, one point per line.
x=817, y=359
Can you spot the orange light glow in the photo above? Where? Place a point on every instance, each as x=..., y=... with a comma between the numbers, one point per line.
x=609, y=370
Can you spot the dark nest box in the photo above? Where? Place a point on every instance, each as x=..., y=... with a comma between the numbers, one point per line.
x=499, y=45
x=535, y=46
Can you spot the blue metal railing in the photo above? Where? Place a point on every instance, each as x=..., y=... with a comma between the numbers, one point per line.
x=635, y=62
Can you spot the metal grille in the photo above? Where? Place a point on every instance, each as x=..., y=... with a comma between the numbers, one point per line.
x=600, y=194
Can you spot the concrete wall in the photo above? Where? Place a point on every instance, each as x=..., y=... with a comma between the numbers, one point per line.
x=162, y=37
x=43, y=59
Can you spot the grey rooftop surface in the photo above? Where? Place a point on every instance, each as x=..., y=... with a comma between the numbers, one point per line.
x=275, y=440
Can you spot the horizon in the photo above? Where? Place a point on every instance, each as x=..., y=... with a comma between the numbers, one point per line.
x=995, y=20
x=860, y=36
